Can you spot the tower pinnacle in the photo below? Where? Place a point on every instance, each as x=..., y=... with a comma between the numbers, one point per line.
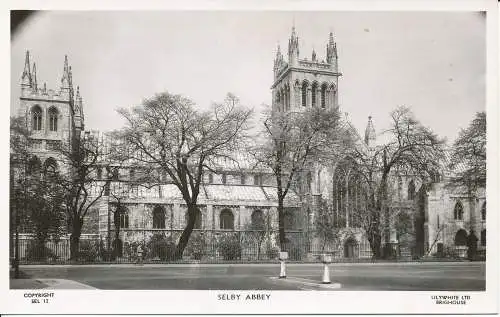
x=331, y=49
x=34, y=82
x=279, y=56
x=78, y=101
x=293, y=47
x=370, y=135
x=70, y=78
x=26, y=77
x=65, y=76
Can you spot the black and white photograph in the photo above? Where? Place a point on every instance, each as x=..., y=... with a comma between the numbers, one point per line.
x=233, y=154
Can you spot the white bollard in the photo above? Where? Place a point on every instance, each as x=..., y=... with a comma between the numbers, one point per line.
x=282, y=257
x=326, y=259
x=283, y=269
x=326, y=275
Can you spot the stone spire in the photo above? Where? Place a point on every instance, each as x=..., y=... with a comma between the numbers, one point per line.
x=78, y=101
x=279, y=56
x=78, y=110
x=331, y=50
x=293, y=47
x=65, y=76
x=313, y=57
x=70, y=78
x=34, y=83
x=26, y=78
x=370, y=135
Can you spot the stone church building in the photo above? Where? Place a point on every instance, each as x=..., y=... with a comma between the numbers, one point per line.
x=241, y=201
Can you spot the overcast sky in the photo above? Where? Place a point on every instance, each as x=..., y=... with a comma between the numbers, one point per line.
x=433, y=62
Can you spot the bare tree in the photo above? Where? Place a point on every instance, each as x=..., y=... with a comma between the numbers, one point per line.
x=289, y=141
x=83, y=188
x=468, y=159
x=469, y=155
x=166, y=134
x=325, y=227
x=411, y=148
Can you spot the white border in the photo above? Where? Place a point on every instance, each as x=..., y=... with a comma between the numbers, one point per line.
x=203, y=302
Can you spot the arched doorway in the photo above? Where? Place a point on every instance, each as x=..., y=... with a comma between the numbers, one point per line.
x=351, y=248
x=461, y=238
x=226, y=219
x=158, y=217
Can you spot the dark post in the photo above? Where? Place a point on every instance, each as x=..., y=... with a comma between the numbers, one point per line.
x=108, y=246
x=16, y=248
x=14, y=223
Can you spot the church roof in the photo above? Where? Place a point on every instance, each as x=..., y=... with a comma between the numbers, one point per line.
x=210, y=192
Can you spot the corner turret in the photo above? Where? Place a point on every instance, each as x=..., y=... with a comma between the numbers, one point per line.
x=34, y=83
x=278, y=61
x=331, y=50
x=370, y=135
x=65, y=80
x=78, y=110
x=293, y=48
x=26, y=77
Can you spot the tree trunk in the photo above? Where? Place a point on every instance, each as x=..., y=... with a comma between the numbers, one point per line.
x=374, y=236
x=117, y=246
x=375, y=240
x=76, y=232
x=281, y=224
x=186, y=233
x=373, y=230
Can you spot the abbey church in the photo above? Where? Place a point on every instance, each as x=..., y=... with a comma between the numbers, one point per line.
x=238, y=199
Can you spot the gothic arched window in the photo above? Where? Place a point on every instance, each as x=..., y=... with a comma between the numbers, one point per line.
x=304, y=94
x=50, y=167
x=258, y=222
x=226, y=219
x=123, y=214
x=115, y=174
x=53, y=114
x=400, y=186
x=314, y=89
x=34, y=166
x=158, y=218
x=257, y=180
x=36, y=118
x=289, y=220
x=323, y=96
x=483, y=212
x=458, y=211
x=411, y=190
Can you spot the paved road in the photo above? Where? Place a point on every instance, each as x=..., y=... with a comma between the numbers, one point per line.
x=465, y=276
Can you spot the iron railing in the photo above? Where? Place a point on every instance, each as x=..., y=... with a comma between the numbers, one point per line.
x=206, y=246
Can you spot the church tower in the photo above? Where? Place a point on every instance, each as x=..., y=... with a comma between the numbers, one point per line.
x=300, y=83
x=52, y=117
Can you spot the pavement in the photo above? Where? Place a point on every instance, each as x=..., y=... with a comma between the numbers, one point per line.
x=47, y=284
x=432, y=276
